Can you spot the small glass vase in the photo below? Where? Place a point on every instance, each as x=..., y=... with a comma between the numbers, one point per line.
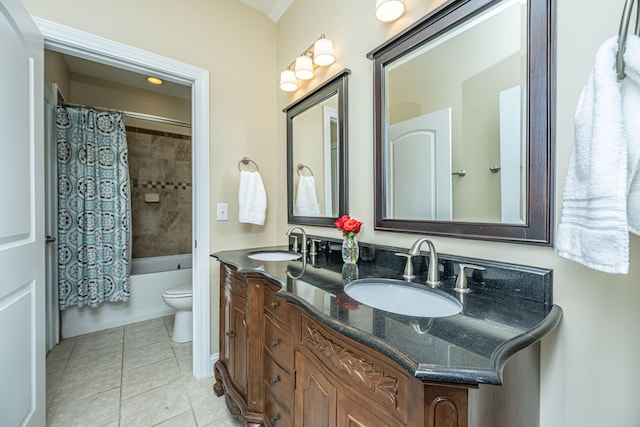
x=350, y=250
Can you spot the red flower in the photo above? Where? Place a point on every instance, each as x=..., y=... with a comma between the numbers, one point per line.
x=348, y=225
x=340, y=221
x=351, y=225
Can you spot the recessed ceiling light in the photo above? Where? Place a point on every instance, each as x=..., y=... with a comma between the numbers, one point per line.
x=154, y=80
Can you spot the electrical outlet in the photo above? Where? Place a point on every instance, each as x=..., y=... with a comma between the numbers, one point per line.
x=222, y=212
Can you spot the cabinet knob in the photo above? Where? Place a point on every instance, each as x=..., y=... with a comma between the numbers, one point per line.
x=274, y=418
x=274, y=343
x=274, y=380
x=231, y=334
x=274, y=304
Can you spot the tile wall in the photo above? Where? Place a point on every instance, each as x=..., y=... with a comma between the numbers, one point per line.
x=160, y=169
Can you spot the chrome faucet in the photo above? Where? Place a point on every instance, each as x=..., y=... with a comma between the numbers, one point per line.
x=433, y=274
x=303, y=249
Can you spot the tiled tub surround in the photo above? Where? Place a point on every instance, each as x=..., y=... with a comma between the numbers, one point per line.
x=509, y=308
x=160, y=163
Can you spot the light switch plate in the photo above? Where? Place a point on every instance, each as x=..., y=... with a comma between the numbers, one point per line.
x=222, y=212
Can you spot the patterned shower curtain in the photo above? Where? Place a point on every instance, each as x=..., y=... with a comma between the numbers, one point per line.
x=94, y=215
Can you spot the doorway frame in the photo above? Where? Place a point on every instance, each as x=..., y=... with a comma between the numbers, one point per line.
x=67, y=40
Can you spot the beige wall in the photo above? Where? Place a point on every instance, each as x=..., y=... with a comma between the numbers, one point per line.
x=589, y=364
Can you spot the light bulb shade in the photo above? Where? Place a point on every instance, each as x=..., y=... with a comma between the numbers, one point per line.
x=288, y=82
x=304, y=67
x=323, y=52
x=389, y=10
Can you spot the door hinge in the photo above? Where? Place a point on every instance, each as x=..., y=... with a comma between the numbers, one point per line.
x=195, y=243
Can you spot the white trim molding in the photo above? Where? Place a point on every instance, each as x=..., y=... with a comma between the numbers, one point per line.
x=78, y=43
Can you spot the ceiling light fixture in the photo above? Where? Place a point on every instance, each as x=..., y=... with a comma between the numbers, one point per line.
x=319, y=54
x=154, y=80
x=389, y=10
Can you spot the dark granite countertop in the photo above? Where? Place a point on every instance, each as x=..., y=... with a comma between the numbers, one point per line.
x=509, y=308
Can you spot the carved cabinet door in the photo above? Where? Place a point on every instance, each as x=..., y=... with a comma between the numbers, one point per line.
x=315, y=396
x=353, y=414
x=237, y=342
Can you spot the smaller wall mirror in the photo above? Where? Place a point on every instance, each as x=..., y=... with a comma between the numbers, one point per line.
x=317, y=154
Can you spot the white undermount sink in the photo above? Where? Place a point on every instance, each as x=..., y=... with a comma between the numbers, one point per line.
x=274, y=256
x=396, y=296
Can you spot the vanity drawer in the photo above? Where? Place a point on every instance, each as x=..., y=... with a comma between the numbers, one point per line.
x=276, y=306
x=277, y=342
x=276, y=413
x=278, y=381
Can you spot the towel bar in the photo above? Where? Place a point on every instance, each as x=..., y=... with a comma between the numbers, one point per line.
x=302, y=167
x=622, y=35
x=245, y=161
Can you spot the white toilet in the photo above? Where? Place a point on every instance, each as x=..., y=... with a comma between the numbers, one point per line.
x=180, y=298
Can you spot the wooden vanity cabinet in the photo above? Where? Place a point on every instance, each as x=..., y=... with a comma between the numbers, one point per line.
x=255, y=367
x=279, y=366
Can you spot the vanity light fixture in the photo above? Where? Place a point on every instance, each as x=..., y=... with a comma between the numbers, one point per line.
x=304, y=68
x=288, y=82
x=319, y=54
x=154, y=80
x=389, y=10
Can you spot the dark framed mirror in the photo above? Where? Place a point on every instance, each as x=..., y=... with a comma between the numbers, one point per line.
x=317, y=186
x=464, y=109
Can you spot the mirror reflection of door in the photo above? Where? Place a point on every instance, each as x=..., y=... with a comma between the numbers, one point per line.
x=512, y=185
x=330, y=134
x=418, y=175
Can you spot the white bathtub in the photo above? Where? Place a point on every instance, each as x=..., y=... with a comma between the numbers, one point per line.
x=149, y=278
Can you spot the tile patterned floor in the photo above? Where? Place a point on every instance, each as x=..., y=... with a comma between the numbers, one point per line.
x=132, y=376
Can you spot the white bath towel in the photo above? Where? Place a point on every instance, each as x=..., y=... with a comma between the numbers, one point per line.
x=306, y=199
x=596, y=213
x=252, y=198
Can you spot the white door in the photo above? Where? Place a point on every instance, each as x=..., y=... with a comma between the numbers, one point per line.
x=22, y=339
x=418, y=159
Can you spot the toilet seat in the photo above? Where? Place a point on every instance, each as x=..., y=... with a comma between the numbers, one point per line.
x=180, y=291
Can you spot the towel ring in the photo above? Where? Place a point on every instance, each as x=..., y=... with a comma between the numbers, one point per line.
x=245, y=161
x=622, y=35
x=301, y=167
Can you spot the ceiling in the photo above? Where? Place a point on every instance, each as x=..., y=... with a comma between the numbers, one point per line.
x=82, y=67
x=273, y=9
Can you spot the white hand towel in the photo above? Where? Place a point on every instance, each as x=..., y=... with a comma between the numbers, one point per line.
x=631, y=109
x=252, y=198
x=593, y=227
x=306, y=199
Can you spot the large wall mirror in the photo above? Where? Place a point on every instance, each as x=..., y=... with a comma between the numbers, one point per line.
x=464, y=109
x=317, y=154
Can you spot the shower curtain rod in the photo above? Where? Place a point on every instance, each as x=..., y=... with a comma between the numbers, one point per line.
x=134, y=115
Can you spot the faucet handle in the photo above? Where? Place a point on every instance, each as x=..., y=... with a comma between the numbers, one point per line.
x=461, y=281
x=408, y=268
x=314, y=248
x=294, y=247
